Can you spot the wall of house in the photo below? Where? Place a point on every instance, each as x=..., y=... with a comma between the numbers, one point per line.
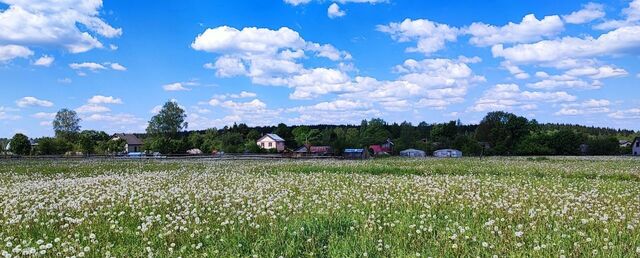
x=268, y=143
x=636, y=148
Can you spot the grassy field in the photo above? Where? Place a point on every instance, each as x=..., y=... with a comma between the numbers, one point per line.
x=495, y=207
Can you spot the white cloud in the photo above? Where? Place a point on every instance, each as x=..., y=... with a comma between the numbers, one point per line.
x=33, y=101
x=431, y=36
x=64, y=24
x=118, y=67
x=7, y=113
x=591, y=106
x=334, y=11
x=92, y=108
x=45, y=61
x=87, y=65
x=551, y=84
x=515, y=70
x=99, y=99
x=8, y=52
x=588, y=13
x=619, y=41
x=302, y=2
x=597, y=72
x=633, y=113
x=509, y=97
x=528, y=30
x=631, y=16
x=176, y=86
x=297, y=2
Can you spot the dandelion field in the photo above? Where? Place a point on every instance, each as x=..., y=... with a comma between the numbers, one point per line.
x=505, y=207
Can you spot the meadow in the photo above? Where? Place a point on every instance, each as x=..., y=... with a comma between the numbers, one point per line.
x=471, y=207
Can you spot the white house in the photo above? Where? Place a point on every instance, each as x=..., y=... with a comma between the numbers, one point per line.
x=635, y=147
x=134, y=144
x=271, y=141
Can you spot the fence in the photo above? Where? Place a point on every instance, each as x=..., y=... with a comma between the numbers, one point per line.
x=164, y=157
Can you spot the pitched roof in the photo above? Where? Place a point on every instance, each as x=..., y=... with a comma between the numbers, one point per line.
x=273, y=136
x=131, y=139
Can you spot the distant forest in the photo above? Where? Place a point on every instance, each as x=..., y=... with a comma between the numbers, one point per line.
x=499, y=133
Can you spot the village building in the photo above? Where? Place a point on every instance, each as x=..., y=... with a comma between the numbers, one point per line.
x=635, y=147
x=132, y=142
x=385, y=148
x=271, y=141
x=355, y=154
x=447, y=153
x=412, y=153
x=314, y=150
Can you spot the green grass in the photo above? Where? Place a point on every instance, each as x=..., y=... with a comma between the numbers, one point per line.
x=379, y=208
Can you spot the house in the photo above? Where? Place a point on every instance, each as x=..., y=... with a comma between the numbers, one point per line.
x=412, y=153
x=355, y=154
x=314, y=150
x=382, y=149
x=624, y=143
x=635, y=147
x=447, y=153
x=271, y=141
x=133, y=143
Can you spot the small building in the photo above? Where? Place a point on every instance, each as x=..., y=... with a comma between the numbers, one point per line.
x=413, y=153
x=624, y=143
x=635, y=147
x=133, y=143
x=271, y=141
x=447, y=153
x=314, y=150
x=383, y=148
x=355, y=154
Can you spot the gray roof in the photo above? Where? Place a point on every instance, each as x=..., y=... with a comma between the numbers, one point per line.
x=273, y=136
x=412, y=150
x=130, y=138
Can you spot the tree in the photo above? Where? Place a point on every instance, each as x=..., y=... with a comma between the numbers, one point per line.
x=66, y=125
x=20, y=144
x=374, y=132
x=305, y=136
x=502, y=130
x=169, y=121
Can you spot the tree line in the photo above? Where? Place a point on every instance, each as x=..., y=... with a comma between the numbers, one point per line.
x=499, y=133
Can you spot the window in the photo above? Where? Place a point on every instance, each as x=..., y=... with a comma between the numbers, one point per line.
x=638, y=144
x=262, y=144
x=270, y=144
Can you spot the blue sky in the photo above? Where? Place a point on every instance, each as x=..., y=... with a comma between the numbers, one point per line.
x=309, y=62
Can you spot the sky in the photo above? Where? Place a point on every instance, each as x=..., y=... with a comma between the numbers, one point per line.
x=317, y=62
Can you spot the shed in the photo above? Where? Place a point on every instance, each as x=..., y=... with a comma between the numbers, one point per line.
x=271, y=141
x=315, y=150
x=354, y=154
x=447, y=153
x=635, y=147
x=413, y=153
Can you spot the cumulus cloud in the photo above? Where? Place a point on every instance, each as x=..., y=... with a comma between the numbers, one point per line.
x=270, y=57
x=631, y=16
x=619, y=41
x=588, y=13
x=9, y=52
x=33, y=101
x=176, y=86
x=633, y=113
x=87, y=65
x=117, y=119
x=73, y=25
x=334, y=11
x=528, y=30
x=431, y=36
x=45, y=61
x=118, y=67
x=510, y=97
x=591, y=106
x=99, y=99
